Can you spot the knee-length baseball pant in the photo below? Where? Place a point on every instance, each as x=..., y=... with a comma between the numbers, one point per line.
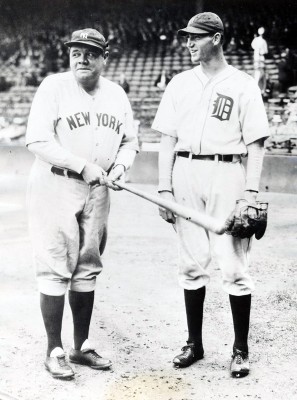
x=212, y=187
x=68, y=229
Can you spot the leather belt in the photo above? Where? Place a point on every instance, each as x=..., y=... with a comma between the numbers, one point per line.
x=213, y=157
x=67, y=173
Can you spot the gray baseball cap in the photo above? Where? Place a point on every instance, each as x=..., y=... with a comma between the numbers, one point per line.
x=88, y=36
x=206, y=22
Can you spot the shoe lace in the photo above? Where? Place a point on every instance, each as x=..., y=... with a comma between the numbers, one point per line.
x=93, y=354
x=239, y=357
x=62, y=361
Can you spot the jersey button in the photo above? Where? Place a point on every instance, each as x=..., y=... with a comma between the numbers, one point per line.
x=97, y=144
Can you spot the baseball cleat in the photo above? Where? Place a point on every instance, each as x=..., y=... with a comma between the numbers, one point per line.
x=189, y=355
x=88, y=356
x=239, y=364
x=57, y=365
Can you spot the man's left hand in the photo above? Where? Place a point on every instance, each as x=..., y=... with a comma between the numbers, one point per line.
x=116, y=174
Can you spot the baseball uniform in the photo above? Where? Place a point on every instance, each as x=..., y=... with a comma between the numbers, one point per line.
x=67, y=217
x=211, y=117
x=260, y=48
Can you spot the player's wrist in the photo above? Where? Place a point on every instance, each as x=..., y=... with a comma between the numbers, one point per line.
x=120, y=165
x=250, y=195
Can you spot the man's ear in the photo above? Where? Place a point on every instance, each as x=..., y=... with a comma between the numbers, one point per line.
x=217, y=38
x=106, y=54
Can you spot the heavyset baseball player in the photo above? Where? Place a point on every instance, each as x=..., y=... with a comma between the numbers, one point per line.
x=209, y=117
x=81, y=131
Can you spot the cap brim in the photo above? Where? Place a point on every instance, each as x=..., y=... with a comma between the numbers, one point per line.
x=191, y=29
x=92, y=44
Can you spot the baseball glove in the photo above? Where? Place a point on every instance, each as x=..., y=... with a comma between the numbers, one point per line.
x=248, y=219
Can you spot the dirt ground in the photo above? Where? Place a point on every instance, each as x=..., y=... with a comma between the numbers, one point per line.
x=139, y=320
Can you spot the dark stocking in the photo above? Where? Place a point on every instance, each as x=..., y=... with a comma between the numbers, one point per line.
x=81, y=304
x=52, y=308
x=241, y=307
x=194, y=300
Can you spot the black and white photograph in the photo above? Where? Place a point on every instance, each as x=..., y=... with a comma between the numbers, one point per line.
x=148, y=199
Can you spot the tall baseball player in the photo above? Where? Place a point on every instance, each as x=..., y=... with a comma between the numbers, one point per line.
x=209, y=117
x=81, y=130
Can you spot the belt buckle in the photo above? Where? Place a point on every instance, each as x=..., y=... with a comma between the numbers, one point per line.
x=236, y=158
x=65, y=172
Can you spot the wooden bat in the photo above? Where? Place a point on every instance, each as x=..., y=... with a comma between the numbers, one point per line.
x=206, y=221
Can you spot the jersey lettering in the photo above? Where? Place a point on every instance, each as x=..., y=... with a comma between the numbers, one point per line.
x=110, y=121
x=76, y=121
x=105, y=120
x=80, y=119
x=86, y=117
x=222, y=107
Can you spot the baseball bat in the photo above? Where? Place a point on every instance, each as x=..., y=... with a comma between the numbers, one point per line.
x=206, y=221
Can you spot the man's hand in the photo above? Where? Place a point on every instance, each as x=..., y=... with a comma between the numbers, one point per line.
x=167, y=215
x=248, y=218
x=93, y=174
x=116, y=174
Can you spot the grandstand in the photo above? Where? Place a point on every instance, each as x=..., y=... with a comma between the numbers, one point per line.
x=143, y=42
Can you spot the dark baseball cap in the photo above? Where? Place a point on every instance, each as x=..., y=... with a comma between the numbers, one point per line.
x=206, y=22
x=88, y=36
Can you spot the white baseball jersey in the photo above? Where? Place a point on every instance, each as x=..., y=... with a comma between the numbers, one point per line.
x=221, y=115
x=90, y=127
x=260, y=47
x=66, y=248
x=212, y=116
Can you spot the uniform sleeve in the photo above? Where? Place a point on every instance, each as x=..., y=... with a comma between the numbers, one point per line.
x=126, y=158
x=254, y=165
x=166, y=162
x=165, y=119
x=43, y=114
x=52, y=153
x=252, y=114
x=40, y=136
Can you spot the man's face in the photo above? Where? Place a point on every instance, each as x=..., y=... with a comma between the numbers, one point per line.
x=86, y=62
x=200, y=47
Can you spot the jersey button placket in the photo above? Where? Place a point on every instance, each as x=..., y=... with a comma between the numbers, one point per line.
x=95, y=132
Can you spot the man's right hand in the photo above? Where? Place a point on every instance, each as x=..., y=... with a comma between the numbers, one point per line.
x=167, y=215
x=93, y=174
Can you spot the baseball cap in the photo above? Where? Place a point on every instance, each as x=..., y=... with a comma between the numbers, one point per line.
x=88, y=36
x=206, y=22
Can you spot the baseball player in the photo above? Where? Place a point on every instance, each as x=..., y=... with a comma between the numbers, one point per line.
x=81, y=131
x=260, y=48
x=209, y=117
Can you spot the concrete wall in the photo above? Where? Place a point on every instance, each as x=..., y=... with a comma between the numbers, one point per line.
x=279, y=172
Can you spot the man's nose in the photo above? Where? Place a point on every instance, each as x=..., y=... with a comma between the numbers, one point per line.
x=83, y=59
x=189, y=42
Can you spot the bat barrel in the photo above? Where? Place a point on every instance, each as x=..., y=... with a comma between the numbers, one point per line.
x=206, y=221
